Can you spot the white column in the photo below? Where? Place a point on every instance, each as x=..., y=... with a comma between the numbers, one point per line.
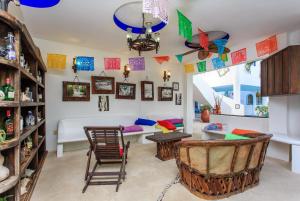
x=295, y=159
x=189, y=104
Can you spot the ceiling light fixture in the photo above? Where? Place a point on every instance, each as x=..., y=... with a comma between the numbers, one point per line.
x=146, y=41
x=130, y=18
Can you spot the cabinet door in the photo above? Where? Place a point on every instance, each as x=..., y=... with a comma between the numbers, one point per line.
x=294, y=53
x=271, y=76
x=286, y=71
x=264, y=78
x=278, y=74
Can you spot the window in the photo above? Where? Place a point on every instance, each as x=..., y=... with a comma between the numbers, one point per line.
x=240, y=85
x=250, y=99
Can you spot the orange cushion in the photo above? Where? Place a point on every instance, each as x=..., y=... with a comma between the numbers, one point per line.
x=168, y=125
x=242, y=131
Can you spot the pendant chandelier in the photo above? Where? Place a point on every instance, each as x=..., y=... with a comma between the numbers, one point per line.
x=142, y=28
x=146, y=41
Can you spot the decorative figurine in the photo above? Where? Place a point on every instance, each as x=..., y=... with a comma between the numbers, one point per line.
x=4, y=171
x=23, y=63
x=30, y=119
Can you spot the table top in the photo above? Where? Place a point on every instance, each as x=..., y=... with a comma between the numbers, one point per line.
x=167, y=137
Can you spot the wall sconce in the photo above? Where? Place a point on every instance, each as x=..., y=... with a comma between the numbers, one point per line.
x=74, y=67
x=126, y=71
x=167, y=76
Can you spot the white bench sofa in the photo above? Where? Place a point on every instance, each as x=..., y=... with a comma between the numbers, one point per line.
x=277, y=137
x=71, y=129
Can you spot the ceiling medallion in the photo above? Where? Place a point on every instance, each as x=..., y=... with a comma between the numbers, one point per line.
x=129, y=17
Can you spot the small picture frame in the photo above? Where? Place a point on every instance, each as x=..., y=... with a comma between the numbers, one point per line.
x=103, y=85
x=165, y=94
x=147, y=91
x=125, y=90
x=76, y=91
x=103, y=103
x=175, y=86
x=178, y=99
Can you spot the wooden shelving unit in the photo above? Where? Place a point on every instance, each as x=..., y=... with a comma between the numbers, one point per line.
x=15, y=159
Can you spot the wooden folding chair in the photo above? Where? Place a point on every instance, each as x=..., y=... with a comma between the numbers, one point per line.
x=104, y=143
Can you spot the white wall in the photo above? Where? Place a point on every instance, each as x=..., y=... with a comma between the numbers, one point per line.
x=56, y=109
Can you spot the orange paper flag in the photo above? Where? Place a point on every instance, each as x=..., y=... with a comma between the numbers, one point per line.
x=162, y=59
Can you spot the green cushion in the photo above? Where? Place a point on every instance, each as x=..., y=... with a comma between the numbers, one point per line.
x=178, y=125
x=231, y=136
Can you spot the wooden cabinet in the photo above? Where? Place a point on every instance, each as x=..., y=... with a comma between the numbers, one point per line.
x=280, y=73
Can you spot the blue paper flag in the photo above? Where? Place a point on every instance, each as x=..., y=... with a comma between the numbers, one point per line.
x=218, y=63
x=220, y=43
x=85, y=63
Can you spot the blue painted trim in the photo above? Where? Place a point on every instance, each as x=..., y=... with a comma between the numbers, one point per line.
x=249, y=88
x=223, y=88
x=137, y=30
x=39, y=3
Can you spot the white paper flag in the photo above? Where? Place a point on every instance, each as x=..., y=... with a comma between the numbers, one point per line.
x=158, y=8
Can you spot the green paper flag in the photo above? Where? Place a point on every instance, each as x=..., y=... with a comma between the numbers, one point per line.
x=185, y=26
x=201, y=66
x=179, y=57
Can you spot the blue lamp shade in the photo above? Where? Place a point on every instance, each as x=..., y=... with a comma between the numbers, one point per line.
x=39, y=3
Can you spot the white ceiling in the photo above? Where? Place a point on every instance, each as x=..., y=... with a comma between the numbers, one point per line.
x=89, y=23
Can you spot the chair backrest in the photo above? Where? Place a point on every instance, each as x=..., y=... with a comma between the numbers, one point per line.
x=104, y=141
x=221, y=156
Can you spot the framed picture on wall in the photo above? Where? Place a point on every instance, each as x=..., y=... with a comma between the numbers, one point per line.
x=103, y=103
x=76, y=91
x=178, y=99
x=103, y=85
x=165, y=94
x=147, y=91
x=175, y=86
x=125, y=90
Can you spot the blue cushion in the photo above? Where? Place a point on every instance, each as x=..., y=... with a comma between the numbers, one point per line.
x=145, y=122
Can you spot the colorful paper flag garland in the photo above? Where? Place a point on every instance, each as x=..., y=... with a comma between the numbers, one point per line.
x=162, y=59
x=185, y=26
x=201, y=66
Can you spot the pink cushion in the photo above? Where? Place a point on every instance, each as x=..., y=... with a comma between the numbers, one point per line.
x=167, y=125
x=175, y=121
x=133, y=128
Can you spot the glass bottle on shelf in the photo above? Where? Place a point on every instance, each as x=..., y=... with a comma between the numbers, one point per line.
x=39, y=77
x=10, y=47
x=9, y=125
x=21, y=123
x=30, y=119
x=2, y=94
x=9, y=90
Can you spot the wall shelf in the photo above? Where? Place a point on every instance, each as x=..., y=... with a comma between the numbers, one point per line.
x=21, y=79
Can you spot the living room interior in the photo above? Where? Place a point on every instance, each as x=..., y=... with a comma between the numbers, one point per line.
x=149, y=100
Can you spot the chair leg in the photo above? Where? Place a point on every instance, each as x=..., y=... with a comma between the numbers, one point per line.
x=90, y=177
x=88, y=164
x=120, y=174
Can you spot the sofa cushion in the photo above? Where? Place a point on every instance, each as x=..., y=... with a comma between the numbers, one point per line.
x=133, y=128
x=231, y=136
x=238, y=131
x=145, y=122
x=167, y=125
x=163, y=129
x=175, y=121
x=178, y=125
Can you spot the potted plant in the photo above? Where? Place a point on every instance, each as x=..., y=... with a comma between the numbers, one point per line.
x=205, y=112
x=262, y=111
